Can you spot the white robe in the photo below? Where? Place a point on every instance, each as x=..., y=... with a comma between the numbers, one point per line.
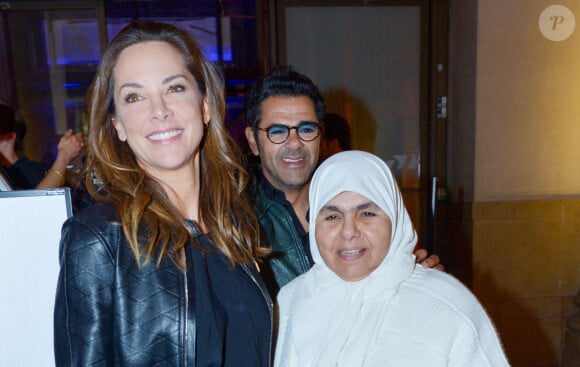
x=432, y=320
x=399, y=315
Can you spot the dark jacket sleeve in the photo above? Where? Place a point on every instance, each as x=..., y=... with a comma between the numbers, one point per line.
x=82, y=315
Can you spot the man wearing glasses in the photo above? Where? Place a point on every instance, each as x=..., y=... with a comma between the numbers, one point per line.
x=284, y=112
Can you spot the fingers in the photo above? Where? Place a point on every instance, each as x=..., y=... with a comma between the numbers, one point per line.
x=68, y=135
x=70, y=145
x=80, y=138
x=439, y=267
x=433, y=261
x=421, y=255
x=72, y=138
x=428, y=261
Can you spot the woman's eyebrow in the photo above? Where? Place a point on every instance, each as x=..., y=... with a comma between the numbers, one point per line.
x=368, y=205
x=130, y=85
x=335, y=208
x=332, y=208
x=173, y=77
x=169, y=79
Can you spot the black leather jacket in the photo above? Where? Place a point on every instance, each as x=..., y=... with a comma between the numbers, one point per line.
x=288, y=259
x=111, y=312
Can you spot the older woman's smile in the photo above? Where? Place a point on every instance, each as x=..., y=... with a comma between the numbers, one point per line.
x=352, y=252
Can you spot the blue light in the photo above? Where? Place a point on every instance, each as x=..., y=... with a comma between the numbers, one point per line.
x=72, y=85
x=211, y=53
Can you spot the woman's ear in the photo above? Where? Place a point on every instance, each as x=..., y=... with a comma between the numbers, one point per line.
x=119, y=127
x=205, y=111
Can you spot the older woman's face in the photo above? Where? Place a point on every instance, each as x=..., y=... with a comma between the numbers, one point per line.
x=158, y=107
x=353, y=235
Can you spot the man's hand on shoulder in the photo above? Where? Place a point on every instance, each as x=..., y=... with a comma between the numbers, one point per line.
x=428, y=261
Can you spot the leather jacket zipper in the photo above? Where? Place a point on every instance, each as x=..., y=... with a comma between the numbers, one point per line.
x=185, y=346
x=270, y=304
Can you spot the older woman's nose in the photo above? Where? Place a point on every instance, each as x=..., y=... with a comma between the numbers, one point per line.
x=350, y=228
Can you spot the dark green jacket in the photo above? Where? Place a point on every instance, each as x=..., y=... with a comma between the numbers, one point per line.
x=289, y=259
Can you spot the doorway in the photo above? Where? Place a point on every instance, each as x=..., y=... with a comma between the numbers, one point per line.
x=382, y=66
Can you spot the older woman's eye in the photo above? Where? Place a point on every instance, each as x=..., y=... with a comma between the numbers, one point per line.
x=176, y=88
x=368, y=214
x=331, y=217
x=132, y=97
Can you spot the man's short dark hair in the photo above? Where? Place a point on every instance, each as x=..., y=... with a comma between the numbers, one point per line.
x=337, y=127
x=7, y=119
x=20, y=129
x=283, y=81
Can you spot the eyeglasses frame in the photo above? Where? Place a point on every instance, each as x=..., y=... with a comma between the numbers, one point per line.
x=267, y=131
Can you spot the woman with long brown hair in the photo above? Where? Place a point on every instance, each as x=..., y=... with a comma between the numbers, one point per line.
x=162, y=270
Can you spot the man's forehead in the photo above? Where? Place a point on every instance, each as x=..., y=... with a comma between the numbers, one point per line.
x=288, y=109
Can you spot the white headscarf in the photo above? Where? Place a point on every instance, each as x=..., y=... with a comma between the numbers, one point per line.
x=335, y=320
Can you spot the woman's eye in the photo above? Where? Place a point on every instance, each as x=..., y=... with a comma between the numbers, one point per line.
x=176, y=88
x=130, y=98
x=368, y=214
x=331, y=217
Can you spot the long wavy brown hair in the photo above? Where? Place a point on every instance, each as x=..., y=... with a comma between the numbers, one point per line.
x=152, y=224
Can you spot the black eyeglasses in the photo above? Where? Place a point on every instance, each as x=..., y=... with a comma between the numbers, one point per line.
x=278, y=134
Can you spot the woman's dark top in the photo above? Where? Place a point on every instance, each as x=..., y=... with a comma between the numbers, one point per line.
x=26, y=174
x=110, y=312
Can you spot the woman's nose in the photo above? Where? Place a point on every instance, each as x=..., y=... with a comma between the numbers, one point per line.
x=349, y=228
x=159, y=109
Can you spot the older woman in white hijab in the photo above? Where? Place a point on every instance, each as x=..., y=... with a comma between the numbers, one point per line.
x=365, y=302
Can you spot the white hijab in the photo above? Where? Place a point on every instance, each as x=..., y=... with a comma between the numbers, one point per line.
x=335, y=321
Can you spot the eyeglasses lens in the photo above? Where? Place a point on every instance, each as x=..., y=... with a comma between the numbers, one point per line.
x=307, y=131
x=278, y=133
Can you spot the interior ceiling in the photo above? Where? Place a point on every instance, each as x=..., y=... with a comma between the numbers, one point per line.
x=160, y=8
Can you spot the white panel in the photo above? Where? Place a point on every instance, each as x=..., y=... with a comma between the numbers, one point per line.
x=29, y=237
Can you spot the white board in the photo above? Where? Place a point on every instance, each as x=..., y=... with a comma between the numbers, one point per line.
x=30, y=227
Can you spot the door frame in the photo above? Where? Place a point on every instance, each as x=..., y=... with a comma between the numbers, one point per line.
x=433, y=85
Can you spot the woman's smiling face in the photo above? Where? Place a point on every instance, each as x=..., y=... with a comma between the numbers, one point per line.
x=158, y=107
x=353, y=235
